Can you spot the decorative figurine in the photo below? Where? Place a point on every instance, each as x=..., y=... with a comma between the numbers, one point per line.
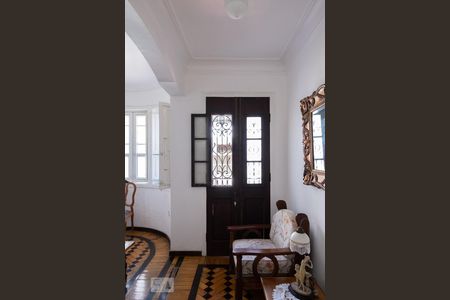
x=302, y=288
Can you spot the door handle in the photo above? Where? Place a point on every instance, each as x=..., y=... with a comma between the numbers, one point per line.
x=234, y=202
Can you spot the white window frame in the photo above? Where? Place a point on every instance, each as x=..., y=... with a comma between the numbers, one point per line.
x=132, y=156
x=162, y=182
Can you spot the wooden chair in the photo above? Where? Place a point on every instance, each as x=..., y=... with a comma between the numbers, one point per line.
x=254, y=258
x=129, y=205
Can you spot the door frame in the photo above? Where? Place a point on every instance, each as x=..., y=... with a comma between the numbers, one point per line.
x=238, y=140
x=203, y=95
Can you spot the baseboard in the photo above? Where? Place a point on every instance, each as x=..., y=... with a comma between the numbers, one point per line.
x=151, y=230
x=185, y=253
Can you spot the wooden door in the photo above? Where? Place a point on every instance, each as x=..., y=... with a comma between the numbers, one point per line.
x=238, y=189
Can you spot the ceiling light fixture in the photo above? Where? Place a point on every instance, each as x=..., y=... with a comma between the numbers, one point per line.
x=236, y=9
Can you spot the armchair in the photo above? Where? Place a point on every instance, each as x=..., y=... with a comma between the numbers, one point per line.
x=254, y=258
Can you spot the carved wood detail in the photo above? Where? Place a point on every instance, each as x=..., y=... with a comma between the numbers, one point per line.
x=307, y=105
x=281, y=204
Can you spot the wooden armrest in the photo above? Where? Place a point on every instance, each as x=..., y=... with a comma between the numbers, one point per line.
x=247, y=227
x=274, y=251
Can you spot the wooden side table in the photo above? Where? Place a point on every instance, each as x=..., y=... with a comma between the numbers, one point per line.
x=269, y=284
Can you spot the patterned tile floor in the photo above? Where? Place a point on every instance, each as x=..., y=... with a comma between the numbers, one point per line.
x=138, y=256
x=214, y=282
x=149, y=257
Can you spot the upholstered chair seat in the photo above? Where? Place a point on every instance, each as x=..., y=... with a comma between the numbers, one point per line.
x=265, y=266
x=283, y=224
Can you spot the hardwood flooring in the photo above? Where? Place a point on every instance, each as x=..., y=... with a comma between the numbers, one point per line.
x=139, y=289
x=181, y=268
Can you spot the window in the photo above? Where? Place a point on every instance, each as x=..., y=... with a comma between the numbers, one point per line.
x=318, y=126
x=222, y=150
x=146, y=140
x=199, y=159
x=136, y=146
x=254, y=158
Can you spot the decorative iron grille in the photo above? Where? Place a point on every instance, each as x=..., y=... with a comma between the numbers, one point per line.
x=222, y=150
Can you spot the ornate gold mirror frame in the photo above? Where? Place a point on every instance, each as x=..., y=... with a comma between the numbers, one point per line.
x=311, y=175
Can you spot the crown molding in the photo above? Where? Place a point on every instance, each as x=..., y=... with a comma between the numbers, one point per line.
x=299, y=26
x=315, y=17
x=179, y=28
x=227, y=58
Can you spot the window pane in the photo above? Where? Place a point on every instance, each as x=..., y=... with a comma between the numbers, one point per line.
x=200, y=173
x=253, y=150
x=136, y=145
x=222, y=150
x=317, y=125
x=141, y=120
x=200, y=127
x=141, y=149
x=254, y=127
x=318, y=122
x=142, y=167
x=200, y=150
x=318, y=148
x=254, y=173
x=141, y=135
x=319, y=164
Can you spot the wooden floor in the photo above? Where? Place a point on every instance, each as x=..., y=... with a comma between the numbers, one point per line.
x=186, y=273
x=140, y=288
x=183, y=270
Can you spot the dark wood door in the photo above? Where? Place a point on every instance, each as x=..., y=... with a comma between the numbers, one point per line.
x=238, y=190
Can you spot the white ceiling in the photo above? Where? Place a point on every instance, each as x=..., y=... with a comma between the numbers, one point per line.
x=138, y=74
x=138, y=32
x=264, y=33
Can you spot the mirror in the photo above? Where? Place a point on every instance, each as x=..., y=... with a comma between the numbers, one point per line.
x=313, y=117
x=318, y=138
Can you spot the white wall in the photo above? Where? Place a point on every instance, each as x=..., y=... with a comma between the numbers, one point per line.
x=306, y=71
x=188, y=203
x=146, y=97
x=152, y=206
x=152, y=209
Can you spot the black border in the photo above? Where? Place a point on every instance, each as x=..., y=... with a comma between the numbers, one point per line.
x=387, y=111
x=137, y=228
x=152, y=248
x=63, y=65
x=185, y=253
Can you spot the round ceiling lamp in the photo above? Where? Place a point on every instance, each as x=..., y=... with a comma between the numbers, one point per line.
x=236, y=9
